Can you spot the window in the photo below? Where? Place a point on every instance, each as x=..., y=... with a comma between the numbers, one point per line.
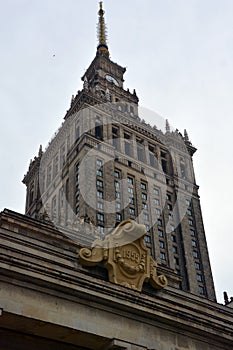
x=100, y=217
x=143, y=186
x=157, y=202
x=172, y=227
x=130, y=180
x=194, y=243
x=176, y=261
x=118, y=217
x=156, y=191
x=177, y=271
x=99, y=163
x=147, y=239
x=118, y=206
x=195, y=254
x=146, y=217
x=187, y=202
x=77, y=209
x=144, y=206
x=117, y=185
x=77, y=197
x=173, y=238
x=192, y=233
x=158, y=211
x=169, y=206
x=100, y=183
x=190, y=222
x=170, y=216
x=100, y=194
x=162, y=256
x=101, y=229
x=99, y=173
x=99, y=131
x=144, y=196
x=162, y=244
x=131, y=201
x=141, y=152
x=132, y=211
x=130, y=190
x=199, y=278
x=175, y=249
x=159, y=222
x=116, y=174
x=118, y=195
x=128, y=148
x=152, y=160
x=197, y=266
x=100, y=206
x=160, y=233
x=189, y=212
x=201, y=290
x=147, y=228
x=168, y=197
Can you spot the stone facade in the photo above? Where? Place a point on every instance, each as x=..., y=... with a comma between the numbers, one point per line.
x=48, y=301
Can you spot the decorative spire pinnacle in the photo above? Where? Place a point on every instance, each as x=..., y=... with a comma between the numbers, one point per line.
x=186, y=136
x=168, y=128
x=102, y=48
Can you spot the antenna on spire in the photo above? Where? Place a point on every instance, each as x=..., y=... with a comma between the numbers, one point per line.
x=102, y=48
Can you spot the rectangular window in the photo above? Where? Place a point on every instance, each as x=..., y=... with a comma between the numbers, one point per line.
x=201, y=290
x=157, y=202
x=99, y=131
x=197, y=266
x=117, y=184
x=187, y=202
x=144, y=196
x=77, y=209
x=168, y=197
x=162, y=256
x=100, y=229
x=189, y=212
x=159, y=222
x=192, y=233
x=162, y=244
x=130, y=190
x=116, y=174
x=176, y=261
x=118, y=195
x=128, y=148
x=195, y=254
x=143, y=186
x=118, y=217
x=99, y=173
x=175, y=249
x=100, y=217
x=147, y=239
x=146, y=217
x=132, y=211
x=100, y=183
x=160, y=233
x=173, y=238
x=118, y=206
x=144, y=206
x=147, y=228
x=172, y=227
x=131, y=201
x=194, y=243
x=156, y=191
x=169, y=206
x=99, y=163
x=190, y=222
x=100, y=194
x=158, y=211
x=100, y=206
x=152, y=160
x=130, y=180
x=199, y=278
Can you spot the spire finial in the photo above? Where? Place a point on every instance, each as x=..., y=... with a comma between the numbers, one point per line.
x=102, y=33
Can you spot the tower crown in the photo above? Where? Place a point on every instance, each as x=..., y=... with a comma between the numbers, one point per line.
x=102, y=48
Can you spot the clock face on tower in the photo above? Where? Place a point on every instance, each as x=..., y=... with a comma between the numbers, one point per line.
x=111, y=80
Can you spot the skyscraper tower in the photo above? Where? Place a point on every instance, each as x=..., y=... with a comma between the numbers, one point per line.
x=106, y=164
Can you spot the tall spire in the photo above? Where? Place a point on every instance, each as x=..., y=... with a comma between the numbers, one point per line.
x=102, y=48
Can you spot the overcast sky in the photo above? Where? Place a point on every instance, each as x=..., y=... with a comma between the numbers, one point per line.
x=179, y=58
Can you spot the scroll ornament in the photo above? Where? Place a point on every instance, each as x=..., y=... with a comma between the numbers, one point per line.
x=125, y=256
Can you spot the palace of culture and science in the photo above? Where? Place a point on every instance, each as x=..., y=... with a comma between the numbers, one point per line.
x=111, y=252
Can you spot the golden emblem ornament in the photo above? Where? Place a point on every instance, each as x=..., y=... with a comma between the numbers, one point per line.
x=125, y=256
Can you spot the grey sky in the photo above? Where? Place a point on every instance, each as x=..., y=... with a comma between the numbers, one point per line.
x=178, y=55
